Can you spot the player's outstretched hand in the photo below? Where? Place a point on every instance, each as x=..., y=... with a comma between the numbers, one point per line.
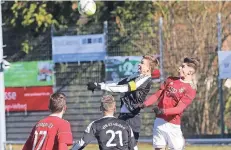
x=92, y=86
x=157, y=110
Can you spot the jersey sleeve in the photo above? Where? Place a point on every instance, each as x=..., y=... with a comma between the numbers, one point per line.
x=88, y=136
x=153, y=98
x=64, y=134
x=127, y=86
x=183, y=103
x=29, y=142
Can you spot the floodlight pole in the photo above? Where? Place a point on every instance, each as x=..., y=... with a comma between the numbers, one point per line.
x=2, y=91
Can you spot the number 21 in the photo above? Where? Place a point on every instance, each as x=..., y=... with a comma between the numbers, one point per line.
x=36, y=134
x=113, y=133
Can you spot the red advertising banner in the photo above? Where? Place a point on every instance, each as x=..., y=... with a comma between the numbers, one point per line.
x=27, y=98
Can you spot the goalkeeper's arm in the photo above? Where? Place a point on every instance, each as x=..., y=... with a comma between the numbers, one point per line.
x=125, y=86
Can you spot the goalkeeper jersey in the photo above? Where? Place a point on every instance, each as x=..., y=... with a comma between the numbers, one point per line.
x=134, y=88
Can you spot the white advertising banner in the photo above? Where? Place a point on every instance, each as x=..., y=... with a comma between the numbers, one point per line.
x=78, y=48
x=224, y=59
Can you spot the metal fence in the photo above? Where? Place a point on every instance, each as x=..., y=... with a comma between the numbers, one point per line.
x=203, y=119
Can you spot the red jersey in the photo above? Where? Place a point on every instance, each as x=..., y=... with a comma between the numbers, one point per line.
x=50, y=133
x=175, y=95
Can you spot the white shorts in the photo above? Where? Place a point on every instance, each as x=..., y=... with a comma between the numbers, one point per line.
x=166, y=134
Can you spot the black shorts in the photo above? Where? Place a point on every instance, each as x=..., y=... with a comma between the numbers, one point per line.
x=134, y=122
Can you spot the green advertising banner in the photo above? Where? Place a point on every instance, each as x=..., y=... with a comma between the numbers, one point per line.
x=34, y=73
x=119, y=67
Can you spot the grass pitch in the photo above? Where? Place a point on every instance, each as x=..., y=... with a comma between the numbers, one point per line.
x=142, y=147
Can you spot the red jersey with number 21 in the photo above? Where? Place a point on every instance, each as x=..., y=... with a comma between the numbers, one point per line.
x=50, y=133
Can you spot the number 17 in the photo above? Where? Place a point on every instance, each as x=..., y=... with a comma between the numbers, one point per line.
x=36, y=134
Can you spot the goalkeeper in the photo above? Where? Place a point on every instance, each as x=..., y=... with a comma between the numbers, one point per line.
x=135, y=89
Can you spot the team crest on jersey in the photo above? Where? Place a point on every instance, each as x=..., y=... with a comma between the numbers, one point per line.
x=172, y=90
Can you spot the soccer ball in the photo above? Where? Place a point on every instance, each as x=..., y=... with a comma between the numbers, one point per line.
x=86, y=7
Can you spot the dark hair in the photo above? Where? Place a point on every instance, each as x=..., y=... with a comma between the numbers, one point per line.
x=192, y=62
x=153, y=61
x=57, y=102
x=107, y=102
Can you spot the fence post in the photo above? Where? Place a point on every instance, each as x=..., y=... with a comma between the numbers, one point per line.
x=161, y=49
x=105, y=32
x=2, y=90
x=220, y=90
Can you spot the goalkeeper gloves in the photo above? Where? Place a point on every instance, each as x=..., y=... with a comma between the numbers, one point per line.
x=157, y=110
x=93, y=85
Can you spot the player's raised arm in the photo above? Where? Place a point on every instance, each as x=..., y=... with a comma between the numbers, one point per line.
x=88, y=136
x=183, y=103
x=125, y=86
x=131, y=85
x=153, y=98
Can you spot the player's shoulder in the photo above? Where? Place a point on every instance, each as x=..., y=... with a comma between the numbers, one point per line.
x=172, y=78
x=57, y=121
x=124, y=123
x=143, y=78
x=192, y=87
x=188, y=85
x=117, y=121
x=63, y=121
x=111, y=120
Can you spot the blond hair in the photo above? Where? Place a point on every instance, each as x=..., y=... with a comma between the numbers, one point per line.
x=153, y=62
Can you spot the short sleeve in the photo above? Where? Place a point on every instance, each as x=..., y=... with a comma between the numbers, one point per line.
x=64, y=134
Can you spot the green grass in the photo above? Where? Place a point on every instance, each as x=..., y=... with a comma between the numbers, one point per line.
x=189, y=147
x=149, y=147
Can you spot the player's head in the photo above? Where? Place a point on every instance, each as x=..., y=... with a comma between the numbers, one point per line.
x=148, y=64
x=57, y=103
x=189, y=67
x=108, y=104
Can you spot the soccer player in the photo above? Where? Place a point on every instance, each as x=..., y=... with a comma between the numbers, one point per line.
x=110, y=132
x=52, y=132
x=175, y=95
x=135, y=89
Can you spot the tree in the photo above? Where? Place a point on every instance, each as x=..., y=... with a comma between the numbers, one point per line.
x=190, y=30
x=32, y=20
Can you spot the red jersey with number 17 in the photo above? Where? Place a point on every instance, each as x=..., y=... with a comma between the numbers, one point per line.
x=50, y=133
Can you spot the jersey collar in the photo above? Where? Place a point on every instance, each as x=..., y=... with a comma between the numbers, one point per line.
x=186, y=81
x=109, y=116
